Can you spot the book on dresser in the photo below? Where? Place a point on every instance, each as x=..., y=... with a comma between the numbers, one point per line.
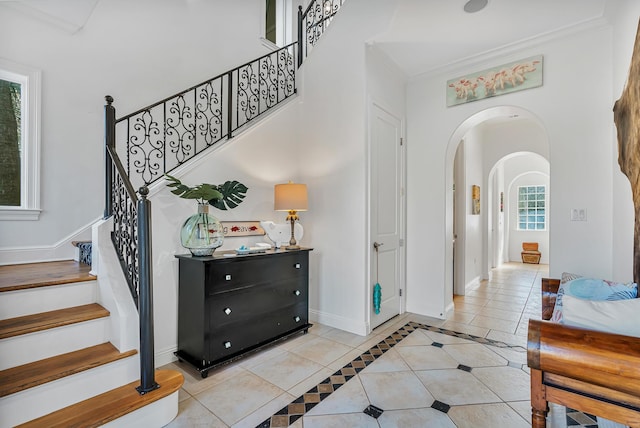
x=230, y=305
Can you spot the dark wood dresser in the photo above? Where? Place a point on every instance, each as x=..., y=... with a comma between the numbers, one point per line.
x=231, y=305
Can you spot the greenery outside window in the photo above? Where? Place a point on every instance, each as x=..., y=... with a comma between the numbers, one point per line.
x=19, y=142
x=532, y=214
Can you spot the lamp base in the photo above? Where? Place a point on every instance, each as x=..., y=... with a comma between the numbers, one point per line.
x=292, y=247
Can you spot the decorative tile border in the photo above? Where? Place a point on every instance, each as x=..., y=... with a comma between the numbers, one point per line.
x=307, y=401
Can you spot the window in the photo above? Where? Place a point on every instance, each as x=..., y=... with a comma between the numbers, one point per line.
x=19, y=142
x=531, y=208
x=280, y=22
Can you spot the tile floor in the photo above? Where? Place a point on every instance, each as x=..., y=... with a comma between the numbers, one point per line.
x=413, y=371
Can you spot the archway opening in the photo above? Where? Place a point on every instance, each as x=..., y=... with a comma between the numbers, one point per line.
x=487, y=137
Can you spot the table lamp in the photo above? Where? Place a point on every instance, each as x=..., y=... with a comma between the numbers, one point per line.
x=291, y=197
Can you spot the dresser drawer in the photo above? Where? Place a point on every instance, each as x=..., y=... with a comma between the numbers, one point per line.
x=249, y=271
x=239, y=337
x=254, y=302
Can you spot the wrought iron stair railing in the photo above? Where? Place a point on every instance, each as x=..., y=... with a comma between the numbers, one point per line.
x=313, y=22
x=143, y=146
x=159, y=138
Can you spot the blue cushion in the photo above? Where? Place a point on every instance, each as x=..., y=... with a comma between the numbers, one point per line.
x=591, y=289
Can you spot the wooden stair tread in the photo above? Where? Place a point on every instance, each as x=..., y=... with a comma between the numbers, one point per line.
x=26, y=376
x=31, y=323
x=106, y=407
x=31, y=275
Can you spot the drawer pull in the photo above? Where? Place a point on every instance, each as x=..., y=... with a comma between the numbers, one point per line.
x=297, y=266
x=227, y=311
x=297, y=292
x=296, y=319
x=227, y=277
x=227, y=345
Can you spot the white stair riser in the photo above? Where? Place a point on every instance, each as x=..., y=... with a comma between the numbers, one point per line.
x=44, y=399
x=43, y=299
x=27, y=348
x=157, y=414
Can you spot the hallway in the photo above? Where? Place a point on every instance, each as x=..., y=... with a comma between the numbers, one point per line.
x=466, y=371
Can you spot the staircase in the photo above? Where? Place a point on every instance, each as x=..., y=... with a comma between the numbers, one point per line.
x=57, y=364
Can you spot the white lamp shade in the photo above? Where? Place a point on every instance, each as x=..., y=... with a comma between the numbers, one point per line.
x=290, y=197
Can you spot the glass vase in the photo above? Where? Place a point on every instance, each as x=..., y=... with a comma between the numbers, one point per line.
x=201, y=233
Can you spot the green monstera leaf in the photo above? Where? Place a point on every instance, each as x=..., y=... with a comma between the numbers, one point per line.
x=225, y=196
x=233, y=192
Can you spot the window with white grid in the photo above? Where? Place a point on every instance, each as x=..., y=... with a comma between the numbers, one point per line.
x=532, y=212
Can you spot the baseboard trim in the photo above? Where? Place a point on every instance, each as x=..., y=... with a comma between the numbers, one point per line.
x=61, y=250
x=339, y=322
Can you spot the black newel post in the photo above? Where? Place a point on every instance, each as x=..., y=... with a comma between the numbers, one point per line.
x=109, y=141
x=145, y=295
x=300, y=53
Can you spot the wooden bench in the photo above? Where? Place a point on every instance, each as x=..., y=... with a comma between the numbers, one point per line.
x=590, y=371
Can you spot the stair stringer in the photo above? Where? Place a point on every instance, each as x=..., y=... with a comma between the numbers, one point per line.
x=113, y=290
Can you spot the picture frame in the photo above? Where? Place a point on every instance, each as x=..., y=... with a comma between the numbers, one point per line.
x=495, y=81
x=241, y=228
x=475, y=199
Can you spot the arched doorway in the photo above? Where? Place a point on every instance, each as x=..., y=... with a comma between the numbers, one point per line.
x=498, y=132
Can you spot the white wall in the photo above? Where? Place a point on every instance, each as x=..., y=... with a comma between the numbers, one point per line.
x=333, y=142
x=138, y=52
x=578, y=124
x=474, y=243
x=624, y=15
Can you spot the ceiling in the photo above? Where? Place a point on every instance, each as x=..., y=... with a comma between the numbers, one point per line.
x=429, y=35
x=424, y=35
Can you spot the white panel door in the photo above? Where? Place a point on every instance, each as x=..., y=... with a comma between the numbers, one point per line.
x=386, y=213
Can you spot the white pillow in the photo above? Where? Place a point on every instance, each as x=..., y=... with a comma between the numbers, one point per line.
x=613, y=316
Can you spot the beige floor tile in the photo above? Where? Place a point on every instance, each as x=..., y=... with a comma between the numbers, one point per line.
x=462, y=317
x=518, y=301
x=261, y=356
x=286, y=370
x=474, y=355
x=311, y=381
x=446, y=339
x=321, y=350
x=523, y=408
x=426, y=357
x=194, y=383
x=391, y=361
x=372, y=341
x=456, y=387
x=416, y=338
x=511, y=339
x=345, y=337
x=513, y=355
x=193, y=414
x=320, y=329
x=501, y=314
x=510, y=384
x=238, y=397
x=467, y=307
x=427, y=417
x=495, y=324
x=264, y=412
x=466, y=328
x=491, y=415
x=407, y=392
x=349, y=398
x=345, y=359
x=359, y=420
